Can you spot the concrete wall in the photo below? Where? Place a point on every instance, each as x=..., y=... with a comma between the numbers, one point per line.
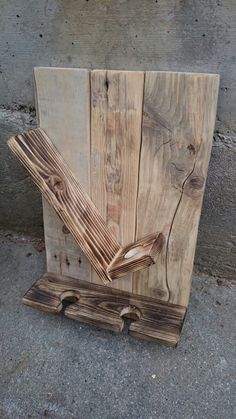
x=122, y=34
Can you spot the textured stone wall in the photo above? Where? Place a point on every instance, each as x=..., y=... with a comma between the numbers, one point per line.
x=123, y=34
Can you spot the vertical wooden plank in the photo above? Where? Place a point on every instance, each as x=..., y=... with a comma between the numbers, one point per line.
x=63, y=101
x=116, y=113
x=178, y=122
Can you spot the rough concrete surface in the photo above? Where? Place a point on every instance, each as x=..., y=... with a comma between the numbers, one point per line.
x=124, y=34
x=20, y=200
x=54, y=367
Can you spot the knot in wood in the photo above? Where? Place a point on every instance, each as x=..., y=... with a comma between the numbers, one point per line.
x=197, y=182
x=65, y=230
x=194, y=186
x=57, y=183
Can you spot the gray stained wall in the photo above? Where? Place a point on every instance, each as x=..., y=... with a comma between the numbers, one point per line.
x=196, y=36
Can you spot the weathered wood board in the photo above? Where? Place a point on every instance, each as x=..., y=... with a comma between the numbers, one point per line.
x=105, y=308
x=140, y=145
x=77, y=211
x=116, y=118
x=178, y=120
x=63, y=106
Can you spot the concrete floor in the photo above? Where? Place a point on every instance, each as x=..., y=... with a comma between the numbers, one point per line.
x=58, y=368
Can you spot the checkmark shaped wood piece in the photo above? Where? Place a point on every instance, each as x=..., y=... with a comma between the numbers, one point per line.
x=75, y=208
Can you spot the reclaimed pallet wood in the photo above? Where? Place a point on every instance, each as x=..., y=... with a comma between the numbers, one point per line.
x=105, y=308
x=140, y=144
x=62, y=97
x=116, y=118
x=78, y=213
x=179, y=113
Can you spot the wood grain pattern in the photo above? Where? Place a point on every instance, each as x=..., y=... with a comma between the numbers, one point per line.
x=145, y=164
x=59, y=186
x=140, y=255
x=116, y=116
x=105, y=308
x=63, y=110
x=177, y=125
x=178, y=122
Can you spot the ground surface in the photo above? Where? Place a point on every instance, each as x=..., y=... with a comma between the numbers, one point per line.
x=58, y=368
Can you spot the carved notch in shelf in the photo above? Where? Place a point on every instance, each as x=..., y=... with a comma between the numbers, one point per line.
x=105, y=307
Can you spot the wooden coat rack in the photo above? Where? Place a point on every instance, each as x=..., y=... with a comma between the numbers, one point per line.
x=121, y=160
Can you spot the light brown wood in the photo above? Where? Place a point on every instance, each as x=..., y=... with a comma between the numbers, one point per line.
x=140, y=255
x=178, y=122
x=75, y=208
x=176, y=109
x=63, y=109
x=116, y=116
x=105, y=308
x=145, y=166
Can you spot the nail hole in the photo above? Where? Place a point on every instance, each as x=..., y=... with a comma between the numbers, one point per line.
x=191, y=149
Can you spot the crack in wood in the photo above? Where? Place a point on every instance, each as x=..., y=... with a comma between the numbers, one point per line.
x=166, y=142
x=171, y=227
x=153, y=119
x=139, y=162
x=177, y=168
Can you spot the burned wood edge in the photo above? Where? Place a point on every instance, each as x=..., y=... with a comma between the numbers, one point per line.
x=64, y=193
x=106, y=308
x=136, y=256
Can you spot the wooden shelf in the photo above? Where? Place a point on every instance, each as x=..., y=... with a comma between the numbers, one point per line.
x=105, y=307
